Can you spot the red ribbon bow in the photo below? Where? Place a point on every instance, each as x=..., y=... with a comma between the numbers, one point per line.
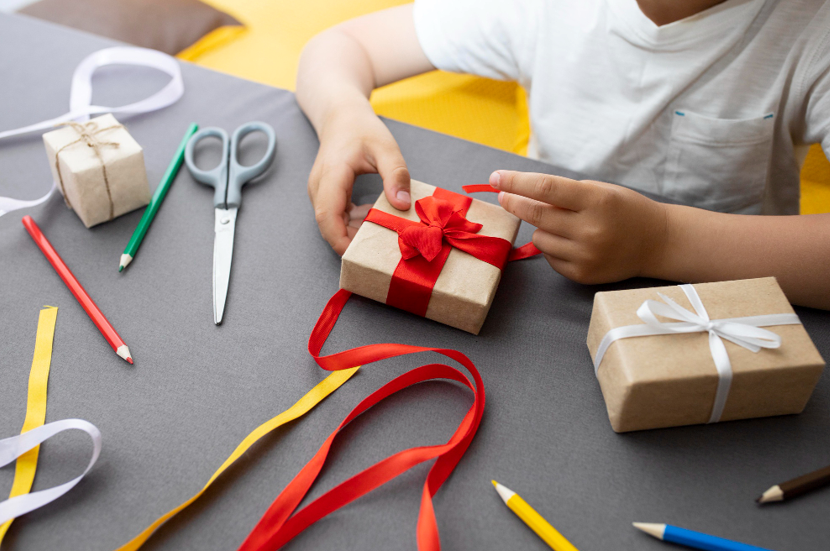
x=440, y=220
x=426, y=244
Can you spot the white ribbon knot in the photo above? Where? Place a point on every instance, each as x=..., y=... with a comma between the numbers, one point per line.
x=745, y=332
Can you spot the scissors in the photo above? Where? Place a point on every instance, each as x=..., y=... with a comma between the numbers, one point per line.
x=227, y=179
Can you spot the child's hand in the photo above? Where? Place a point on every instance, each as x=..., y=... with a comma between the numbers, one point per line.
x=590, y=232
x=352, y=144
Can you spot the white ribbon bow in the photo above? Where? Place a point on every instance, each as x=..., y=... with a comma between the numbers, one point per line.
x=745, y=331
x=80, y=99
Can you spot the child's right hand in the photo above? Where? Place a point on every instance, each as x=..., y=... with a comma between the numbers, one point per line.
x=353, y=143
x=338, y=70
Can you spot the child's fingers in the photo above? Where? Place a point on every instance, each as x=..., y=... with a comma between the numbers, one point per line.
x=542, y=215
x=357, y=214
x=554, y=190
x=330, y=205
x=392, y=168
x=555, y=245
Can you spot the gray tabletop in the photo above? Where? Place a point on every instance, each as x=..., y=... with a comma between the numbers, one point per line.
x=196, y=389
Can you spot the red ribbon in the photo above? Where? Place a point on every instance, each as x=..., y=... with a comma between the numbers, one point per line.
x=280, y=523
x=520, y=253
x=425, y=246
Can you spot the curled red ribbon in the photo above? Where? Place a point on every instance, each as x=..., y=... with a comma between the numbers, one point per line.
x=280, y=523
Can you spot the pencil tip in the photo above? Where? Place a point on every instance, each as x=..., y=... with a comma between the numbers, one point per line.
x=656, y=530
x=495, y=484
x=125, y=261
x=124, y=353
x=773, y=494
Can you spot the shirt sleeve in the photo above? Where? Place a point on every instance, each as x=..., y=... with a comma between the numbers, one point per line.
x=489, y=38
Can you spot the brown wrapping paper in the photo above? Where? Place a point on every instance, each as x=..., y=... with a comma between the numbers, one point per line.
x=671, y=380
x=81, y=175
x=465, y=289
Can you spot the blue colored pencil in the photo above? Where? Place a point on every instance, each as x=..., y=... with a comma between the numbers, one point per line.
x=695, y=540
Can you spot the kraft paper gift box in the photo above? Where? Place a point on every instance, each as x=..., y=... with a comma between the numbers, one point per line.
x=465, y=286
x=99, y=169
x=673, y=379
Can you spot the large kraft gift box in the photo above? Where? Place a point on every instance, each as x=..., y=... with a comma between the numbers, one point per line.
x=464, y=288
x=99, y=169
x=671, y=379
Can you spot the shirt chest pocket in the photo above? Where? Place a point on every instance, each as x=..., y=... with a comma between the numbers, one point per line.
x=718, y=164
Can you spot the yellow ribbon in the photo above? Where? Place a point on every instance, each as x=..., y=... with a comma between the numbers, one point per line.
x=24, y=469
x=303, y=406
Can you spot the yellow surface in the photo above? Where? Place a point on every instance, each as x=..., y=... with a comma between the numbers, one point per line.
x=815, y=182
x=304, y=405
x=485, y=111
x=26, y=465
x=538, y=524
x=481, y=110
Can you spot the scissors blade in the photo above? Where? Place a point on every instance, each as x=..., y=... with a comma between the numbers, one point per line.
x=224, y=227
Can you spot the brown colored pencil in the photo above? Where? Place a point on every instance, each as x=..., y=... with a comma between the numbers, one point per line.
x=797, y=486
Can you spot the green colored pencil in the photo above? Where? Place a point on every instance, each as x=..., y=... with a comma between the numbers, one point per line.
x=155, y=202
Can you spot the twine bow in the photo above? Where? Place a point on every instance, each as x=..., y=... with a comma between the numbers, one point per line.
x=439, y=220
x=88, y=134
x=745, y=332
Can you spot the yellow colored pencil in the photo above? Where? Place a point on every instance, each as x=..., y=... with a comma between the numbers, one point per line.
x=537, y=523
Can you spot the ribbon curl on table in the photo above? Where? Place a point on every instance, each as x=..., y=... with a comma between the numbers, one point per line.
x=15, y=446
x=744, y=331
x=80, y=99
x=26, y=465
x=24, y=447
x=278, y=525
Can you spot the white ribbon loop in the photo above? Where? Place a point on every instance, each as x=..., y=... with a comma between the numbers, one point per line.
x=15, y=446
x=745, y=332
x=80, y=99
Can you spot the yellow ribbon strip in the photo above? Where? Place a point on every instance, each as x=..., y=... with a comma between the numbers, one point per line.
x=24, y=469
x=303, y=406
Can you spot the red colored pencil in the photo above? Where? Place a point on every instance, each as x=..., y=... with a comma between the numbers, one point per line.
x=92, y=310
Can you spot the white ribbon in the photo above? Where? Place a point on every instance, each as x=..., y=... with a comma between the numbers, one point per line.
x=80, y=98
x=743, y=331
x=14, y=447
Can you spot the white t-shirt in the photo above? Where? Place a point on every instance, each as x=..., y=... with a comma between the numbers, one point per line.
x=716, y=110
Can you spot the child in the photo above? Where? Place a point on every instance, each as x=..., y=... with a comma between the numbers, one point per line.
x=707, y=102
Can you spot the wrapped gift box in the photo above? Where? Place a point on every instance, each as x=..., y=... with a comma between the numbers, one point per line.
x=99, y=169
x=672, y=379
x=464, y=285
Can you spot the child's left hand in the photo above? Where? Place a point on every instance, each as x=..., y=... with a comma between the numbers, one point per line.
x=590, y=232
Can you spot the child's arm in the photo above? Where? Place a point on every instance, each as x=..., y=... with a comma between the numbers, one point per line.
x=599, y=233
x=338, y=70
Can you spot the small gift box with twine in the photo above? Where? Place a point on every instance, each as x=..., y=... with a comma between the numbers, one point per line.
x=442, y=259
x=99, y=169
x=703, y=353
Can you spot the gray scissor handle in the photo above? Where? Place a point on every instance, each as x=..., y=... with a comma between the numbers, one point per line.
x=217, y=177
x=241, y=175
